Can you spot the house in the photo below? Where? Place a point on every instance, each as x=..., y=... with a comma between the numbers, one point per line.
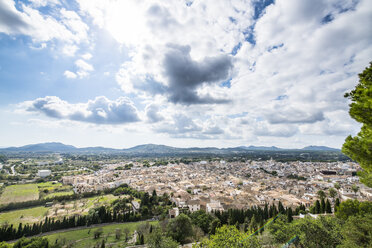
x=174, y=212
x=135, y=206
x=194, y=205
x=44, y=173
x=214, y=206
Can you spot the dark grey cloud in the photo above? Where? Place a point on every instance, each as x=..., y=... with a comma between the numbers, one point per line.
x=10, y=19
x=186, y=75
x=159, y=17
x=98, y=111
x=152, y=113
x=151, y=86
x=213, y=130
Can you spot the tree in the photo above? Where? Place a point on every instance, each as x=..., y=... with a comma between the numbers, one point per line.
x=97, y=233
x=322, y=206
x=347, y=208
x=332, y=193
x=321, y=194
x=126, y=232
x=202, y=220
x=36, y=242
x=317, y=207
x=337, y=204
x=322, y=232
x=355, y=188
x=253, y=224
x=337, y=186
x=328, y=208
x=359, y=148
x=289, y=215
x=117, y=233
x=5, y=245
x=103, y=243
x=214, y=225
x=158, y=240
x=230, y=236
x=357, y=232
x=180, y=228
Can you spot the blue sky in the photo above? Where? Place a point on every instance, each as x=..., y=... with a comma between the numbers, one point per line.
x=181, y=73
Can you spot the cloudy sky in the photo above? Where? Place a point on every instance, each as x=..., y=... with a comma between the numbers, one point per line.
x=184, y=73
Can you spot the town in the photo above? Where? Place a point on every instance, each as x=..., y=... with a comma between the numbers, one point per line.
x=222, y=185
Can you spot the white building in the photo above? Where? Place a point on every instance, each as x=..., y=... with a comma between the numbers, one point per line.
x=174, y=212
x=44, y=173
x=214, y=206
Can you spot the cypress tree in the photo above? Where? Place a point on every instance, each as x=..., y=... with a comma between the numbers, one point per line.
x=289, y=215
x=317, y=207
x=322, y=206
x=337, y=204
x=328, y=207
x=253, y=224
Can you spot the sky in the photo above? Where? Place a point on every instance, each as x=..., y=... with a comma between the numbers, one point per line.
x=182, y=73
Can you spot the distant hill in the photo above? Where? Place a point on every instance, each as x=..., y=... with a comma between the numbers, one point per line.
x=262, y=148
x=319, y=148
x=42, y=147
x=151, y=149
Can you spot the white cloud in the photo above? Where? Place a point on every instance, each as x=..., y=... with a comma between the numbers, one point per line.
x=282, y=75
x=87, y=56
x=43, y=3
x=83, y=68
x=70, y=49
x=62, y=25
x=69, y=74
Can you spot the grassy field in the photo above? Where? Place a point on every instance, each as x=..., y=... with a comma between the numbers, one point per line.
x=49, y=185
x=52, y=189
x=29, y=215
x=84, y=238
x=19, y=193
x=51, y=195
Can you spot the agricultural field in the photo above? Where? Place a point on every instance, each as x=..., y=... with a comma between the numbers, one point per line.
x=24, y=216
x=19, y=193
x=52, y=189
x=51, y=195
x=85, y=237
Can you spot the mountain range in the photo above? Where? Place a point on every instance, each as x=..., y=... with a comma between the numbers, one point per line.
x=57, y=147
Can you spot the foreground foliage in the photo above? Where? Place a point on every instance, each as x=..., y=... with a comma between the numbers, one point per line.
x=359, y=148
x=229, y=236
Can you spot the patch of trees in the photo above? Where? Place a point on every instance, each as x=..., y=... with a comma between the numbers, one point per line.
x=296, y=177
x=3, y=158
x=273, y=173
x=359, y=147
x=352, y=227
